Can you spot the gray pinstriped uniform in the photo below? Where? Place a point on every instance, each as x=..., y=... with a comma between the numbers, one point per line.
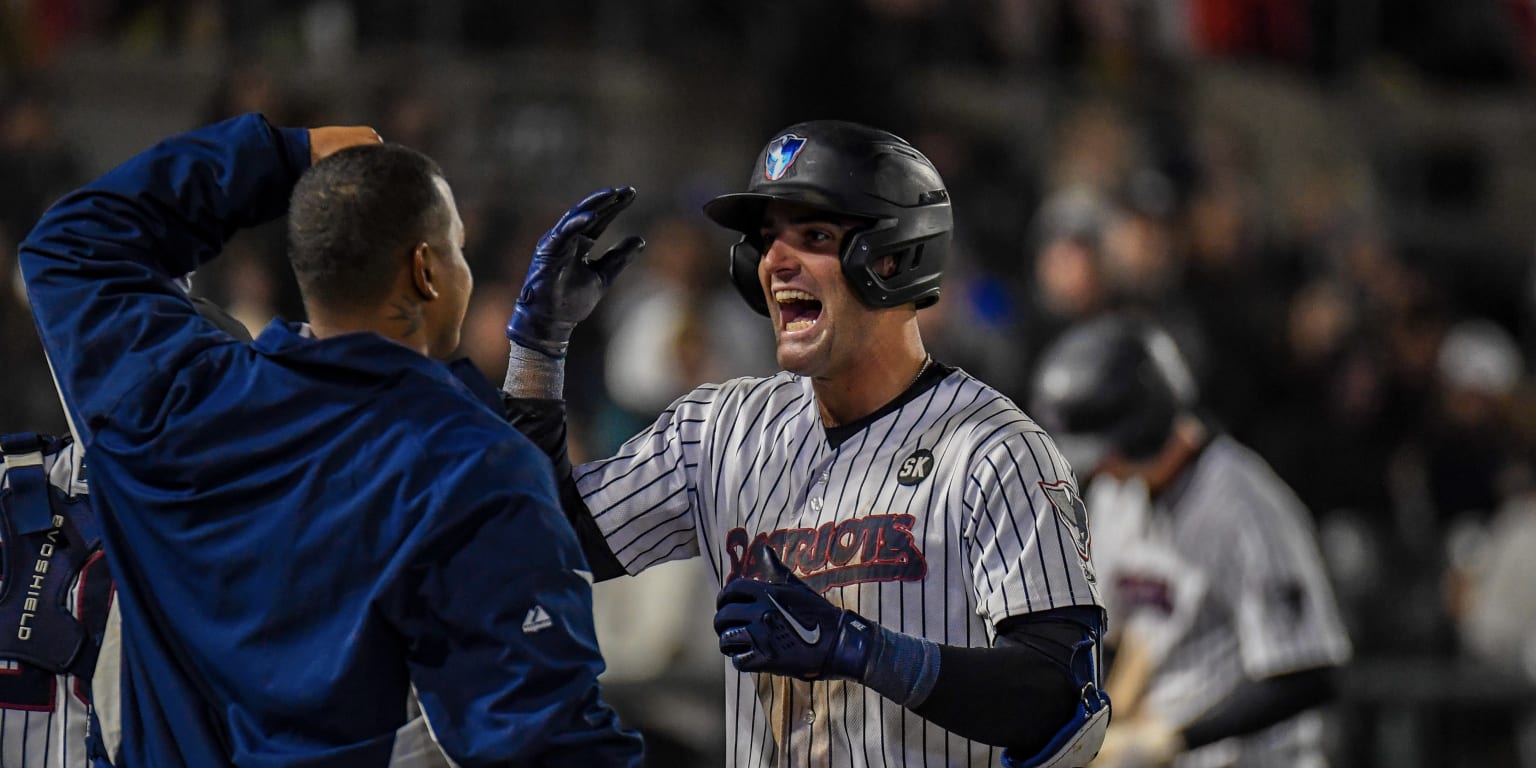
x=939, y=518
x=1224, y=578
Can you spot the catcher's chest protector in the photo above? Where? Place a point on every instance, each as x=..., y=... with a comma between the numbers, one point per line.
x=46, y=539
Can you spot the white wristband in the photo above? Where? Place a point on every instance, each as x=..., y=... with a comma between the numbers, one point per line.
x=534, y=375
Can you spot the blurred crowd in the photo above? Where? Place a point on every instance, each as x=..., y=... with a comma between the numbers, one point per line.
x=1291, y=187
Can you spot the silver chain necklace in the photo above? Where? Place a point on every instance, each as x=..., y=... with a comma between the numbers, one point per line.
x=920, y=370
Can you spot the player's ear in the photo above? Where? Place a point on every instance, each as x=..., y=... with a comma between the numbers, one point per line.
x=423, y=258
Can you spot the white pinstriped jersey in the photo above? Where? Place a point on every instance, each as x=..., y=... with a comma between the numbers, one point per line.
x=939, y=516
x=44, y=718
x=1222, y=584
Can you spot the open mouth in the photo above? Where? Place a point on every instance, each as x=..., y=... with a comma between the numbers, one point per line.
x=798, y=310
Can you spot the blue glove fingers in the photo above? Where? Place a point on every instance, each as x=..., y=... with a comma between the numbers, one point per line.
x=741, y=646
x=604, y=207
x=573, y=222
x=598, y=199
x=778, y=572
x=751, y=661
x=739, y=590
x=738, y=614
x=589, y=217
x=615, y=259
x=553, y=241
x=564, y=284
x=736, y=641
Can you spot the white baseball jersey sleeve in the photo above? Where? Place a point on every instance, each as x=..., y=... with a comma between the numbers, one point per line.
x=938, y=516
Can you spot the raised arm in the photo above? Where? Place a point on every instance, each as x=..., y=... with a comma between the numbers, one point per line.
x=100, y=264
x=564, y=284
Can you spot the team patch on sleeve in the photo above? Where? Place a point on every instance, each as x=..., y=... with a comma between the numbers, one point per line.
x=1073, y=515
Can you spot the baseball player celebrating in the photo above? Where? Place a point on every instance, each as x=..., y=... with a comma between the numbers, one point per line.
x=1226, y=628
x=904, y=554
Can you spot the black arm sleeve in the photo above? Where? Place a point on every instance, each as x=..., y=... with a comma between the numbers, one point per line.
x=1018, y=693
x=543, y=422
x=1258, y=704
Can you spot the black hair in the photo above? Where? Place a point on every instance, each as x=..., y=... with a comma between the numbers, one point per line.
x=354, y=218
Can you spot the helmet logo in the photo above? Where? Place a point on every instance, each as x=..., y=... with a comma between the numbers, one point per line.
x=781, y=155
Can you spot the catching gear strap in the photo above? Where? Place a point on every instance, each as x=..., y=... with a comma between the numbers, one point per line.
x=43, y=551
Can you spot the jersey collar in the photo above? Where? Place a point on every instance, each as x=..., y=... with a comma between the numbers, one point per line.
x=930, y=378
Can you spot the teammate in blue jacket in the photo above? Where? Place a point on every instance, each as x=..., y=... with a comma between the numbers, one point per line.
x=307, y=530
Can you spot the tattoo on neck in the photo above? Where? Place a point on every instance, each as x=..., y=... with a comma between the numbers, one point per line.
x=408, y=312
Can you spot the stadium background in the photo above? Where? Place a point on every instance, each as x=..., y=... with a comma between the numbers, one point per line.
x=1329, y=202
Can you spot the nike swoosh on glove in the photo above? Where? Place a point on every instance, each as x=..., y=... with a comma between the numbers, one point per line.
x=784, y=627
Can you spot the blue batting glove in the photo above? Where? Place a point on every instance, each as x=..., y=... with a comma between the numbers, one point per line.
x=785, y=627
x=565, y=281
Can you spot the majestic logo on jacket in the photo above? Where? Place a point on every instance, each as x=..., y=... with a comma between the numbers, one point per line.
x=836, y=554
x=781, y=155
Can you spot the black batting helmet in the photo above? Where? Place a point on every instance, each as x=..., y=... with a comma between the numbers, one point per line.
x=857, y=172
x=1113, y=384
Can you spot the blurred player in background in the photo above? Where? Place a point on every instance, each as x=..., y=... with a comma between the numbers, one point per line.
x=54, y=620
x=301, y=528
x=48, y=656
x=904, y=554
x=1226, y=632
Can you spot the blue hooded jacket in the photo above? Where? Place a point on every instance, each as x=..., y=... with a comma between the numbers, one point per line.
x=302, y=531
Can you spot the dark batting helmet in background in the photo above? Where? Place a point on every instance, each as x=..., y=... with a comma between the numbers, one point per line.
x=1114, y=384
x=856, y=172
